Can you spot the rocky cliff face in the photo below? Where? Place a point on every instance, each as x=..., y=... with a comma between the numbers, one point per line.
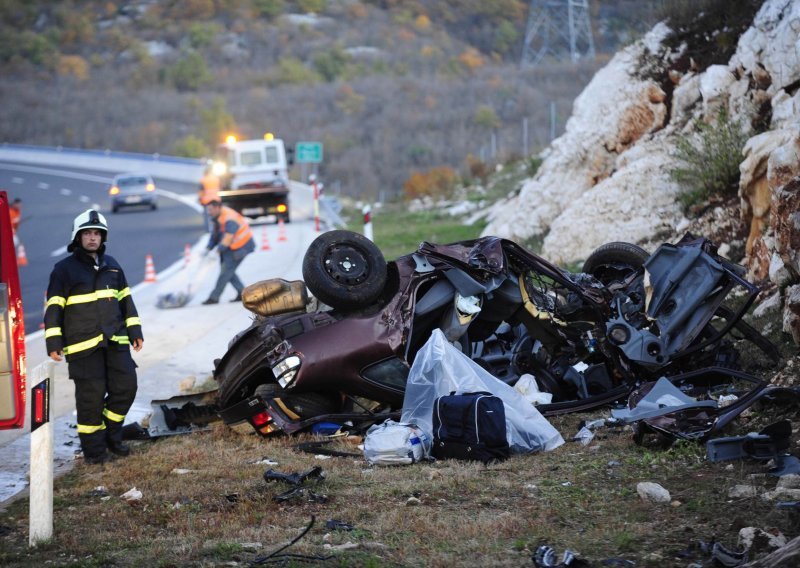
x=608, y=177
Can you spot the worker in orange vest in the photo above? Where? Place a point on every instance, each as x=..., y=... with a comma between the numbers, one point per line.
x=233, y=239
x=208, y=192
x=15, y=211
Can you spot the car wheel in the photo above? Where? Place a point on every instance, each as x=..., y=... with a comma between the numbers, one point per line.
x=614, y=261
x=305, y=405
x=114, y=209
x=153, y=207
x=344, y=270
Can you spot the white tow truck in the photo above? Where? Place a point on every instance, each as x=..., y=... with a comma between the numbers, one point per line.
x=254, y=176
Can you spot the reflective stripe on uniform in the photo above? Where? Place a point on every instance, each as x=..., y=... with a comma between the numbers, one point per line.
x=52, y=332
x=121, y=339
x=113, y=416
x=124, y=293
x=133, y=321
x=83, y=345
x=92, y=296
x=242, y=234
x=86, y=429
x=56, y=301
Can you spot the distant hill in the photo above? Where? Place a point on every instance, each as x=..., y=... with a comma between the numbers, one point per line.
x=390, y=87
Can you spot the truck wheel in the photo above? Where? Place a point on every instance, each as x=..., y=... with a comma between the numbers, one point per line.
x=614, y=261
x=344, y=270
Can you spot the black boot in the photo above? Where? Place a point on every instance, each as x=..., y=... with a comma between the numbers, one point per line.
x=114, y=439
x=97, y=459
x=119, y=448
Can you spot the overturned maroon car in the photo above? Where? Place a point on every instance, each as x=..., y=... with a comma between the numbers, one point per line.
x=589, y=338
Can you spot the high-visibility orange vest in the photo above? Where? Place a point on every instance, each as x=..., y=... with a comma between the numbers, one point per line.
x=242, y=234
x=15, y=218
x=210, y=184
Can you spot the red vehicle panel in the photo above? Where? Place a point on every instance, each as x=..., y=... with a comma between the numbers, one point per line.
x=12, y=329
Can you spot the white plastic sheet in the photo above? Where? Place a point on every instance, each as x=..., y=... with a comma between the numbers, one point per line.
x=440, y=368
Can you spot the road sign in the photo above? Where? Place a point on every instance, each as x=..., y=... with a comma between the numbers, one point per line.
x=308, y=152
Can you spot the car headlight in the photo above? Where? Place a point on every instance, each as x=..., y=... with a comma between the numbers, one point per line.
x=286, y=370
x=114, y=190
x=219, y=168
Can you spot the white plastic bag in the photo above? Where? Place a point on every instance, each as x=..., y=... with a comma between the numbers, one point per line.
x=529, y=389
x=392, y=443
x=440, y=368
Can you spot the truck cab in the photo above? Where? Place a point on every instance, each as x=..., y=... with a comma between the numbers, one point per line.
x=254, y=176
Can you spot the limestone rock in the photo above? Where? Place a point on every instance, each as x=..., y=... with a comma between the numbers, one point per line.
x=791, y=313
x=614, y=111
x=653, y=492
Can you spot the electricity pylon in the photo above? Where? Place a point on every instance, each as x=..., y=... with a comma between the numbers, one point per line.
x=557, y=28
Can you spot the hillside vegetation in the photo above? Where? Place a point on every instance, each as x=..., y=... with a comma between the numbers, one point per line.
x=392, y=87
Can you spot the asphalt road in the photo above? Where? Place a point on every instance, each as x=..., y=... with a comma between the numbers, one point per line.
x=53, y=197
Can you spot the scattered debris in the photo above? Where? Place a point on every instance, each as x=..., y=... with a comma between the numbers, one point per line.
x=653, y=492
x=276, y=557
x=132, y=496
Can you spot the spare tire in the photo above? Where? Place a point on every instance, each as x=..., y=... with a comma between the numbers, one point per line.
x=614, y=261
x=344, y=270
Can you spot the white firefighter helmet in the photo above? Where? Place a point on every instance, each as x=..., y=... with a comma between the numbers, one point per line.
x=89, y=219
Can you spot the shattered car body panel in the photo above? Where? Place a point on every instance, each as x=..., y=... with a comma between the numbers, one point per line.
x=586, y=341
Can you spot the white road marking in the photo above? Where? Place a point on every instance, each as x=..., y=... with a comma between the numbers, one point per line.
x=65, y=191
x=18, y=180
x=54, y=171
x=43, y=185
x=59, y=251
x=83, y=199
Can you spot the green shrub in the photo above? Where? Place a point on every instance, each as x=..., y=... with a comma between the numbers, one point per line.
x=190, y=146
x=331, y=64
x=202, y=34
x=216, y=121
x=315, y=6
x=190, y=72
x=269, y=9
x=710, y=160
x=292, y=71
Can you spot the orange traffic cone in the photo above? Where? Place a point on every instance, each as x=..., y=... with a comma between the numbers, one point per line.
x=187, y=255
x=281, y=230
x=22, y=259
x=264, y=238
x=149, y=269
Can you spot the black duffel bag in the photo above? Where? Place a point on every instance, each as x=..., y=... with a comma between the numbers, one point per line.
x=470, y=426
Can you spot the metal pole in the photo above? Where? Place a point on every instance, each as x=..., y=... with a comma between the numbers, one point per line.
x=552, y=120
x=525, y=136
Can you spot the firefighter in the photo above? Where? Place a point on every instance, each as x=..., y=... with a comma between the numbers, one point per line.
x=91, y=319
x=234, y=240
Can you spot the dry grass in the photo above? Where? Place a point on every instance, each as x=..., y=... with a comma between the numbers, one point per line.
x=223, y=513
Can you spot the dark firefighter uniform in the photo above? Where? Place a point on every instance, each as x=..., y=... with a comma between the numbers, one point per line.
x=91, y=317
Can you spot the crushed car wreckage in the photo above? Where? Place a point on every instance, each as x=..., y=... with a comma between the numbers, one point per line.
x=589, y=339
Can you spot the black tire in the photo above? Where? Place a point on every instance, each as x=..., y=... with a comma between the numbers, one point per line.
x=344, y=270
x=306, y=405
x=614, y=261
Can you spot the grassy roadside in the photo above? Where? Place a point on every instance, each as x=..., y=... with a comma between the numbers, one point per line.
x=205, y=503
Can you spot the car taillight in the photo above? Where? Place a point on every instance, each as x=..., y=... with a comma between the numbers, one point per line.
x=263, y=424
x=282, y=208
x=261, y=418
x=114, y=190
x=150, y=187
